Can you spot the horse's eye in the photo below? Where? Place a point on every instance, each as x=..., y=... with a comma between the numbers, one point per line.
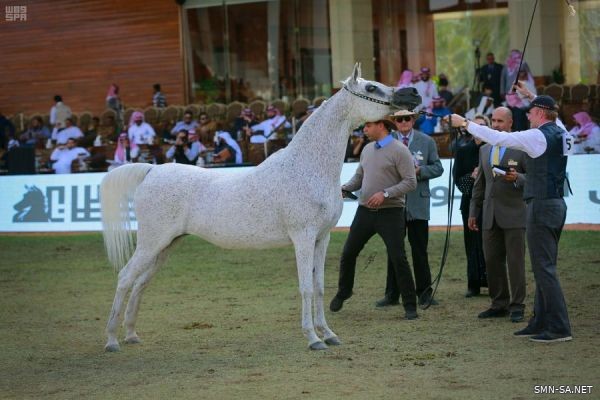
x=371, y=88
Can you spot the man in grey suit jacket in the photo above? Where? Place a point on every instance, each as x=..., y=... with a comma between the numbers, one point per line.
x=427, y=166
x=503, y=222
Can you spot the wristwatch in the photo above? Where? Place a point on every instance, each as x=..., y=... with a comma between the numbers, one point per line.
x=386, y=194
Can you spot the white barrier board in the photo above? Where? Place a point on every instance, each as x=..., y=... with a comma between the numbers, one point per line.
x=59, y=203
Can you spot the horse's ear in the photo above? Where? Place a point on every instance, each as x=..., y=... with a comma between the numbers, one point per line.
x=27, y=187
x=356, y=72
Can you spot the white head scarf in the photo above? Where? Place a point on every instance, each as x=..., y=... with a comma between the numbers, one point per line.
x=229, y=140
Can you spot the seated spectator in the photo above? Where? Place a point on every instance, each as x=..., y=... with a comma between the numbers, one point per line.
x=586, y=134
x=443, y=90
x=267, y=130
x=227, y=150
x=206, y=129
x=63, y=156
x=91, y=136
x=485, y=107
x=187, y=124
x=158, y=99
x=243, y=123
x=196, y=148
x=181, y=151
x=433, y=124
x=304, y=117
x=37, y=133
x=140, y=132
x=71, y=131
x=125, y=153
x=356, y=143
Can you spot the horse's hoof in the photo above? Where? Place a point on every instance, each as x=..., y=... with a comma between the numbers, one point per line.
x=133, y=340
x=318, y=346
x=112, y=348
x=333, y=341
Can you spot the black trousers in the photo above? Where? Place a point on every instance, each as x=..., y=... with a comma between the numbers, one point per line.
x=389, y=224
x=476, y=272
x=545, y=220
x=418, y=237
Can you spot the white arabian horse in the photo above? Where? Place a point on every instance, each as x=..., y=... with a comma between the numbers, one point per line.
x=293, y=197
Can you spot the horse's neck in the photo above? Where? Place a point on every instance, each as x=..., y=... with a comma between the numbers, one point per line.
x=321, y=142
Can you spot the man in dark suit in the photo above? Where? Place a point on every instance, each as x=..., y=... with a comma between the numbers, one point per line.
x=427, y=166
x=504, y=210
x=490, y=75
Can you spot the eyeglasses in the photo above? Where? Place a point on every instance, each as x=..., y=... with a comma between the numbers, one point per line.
x=403, y=119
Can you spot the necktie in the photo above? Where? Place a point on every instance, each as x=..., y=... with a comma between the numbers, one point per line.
x=495, y=157
x=405, y=140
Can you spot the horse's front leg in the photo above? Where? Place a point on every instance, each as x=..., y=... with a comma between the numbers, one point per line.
x=319, y=289
x=304, y=245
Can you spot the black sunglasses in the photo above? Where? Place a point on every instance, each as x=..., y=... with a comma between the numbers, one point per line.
x=405, y=119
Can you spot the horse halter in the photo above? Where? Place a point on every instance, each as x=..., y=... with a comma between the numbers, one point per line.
x=362, y=96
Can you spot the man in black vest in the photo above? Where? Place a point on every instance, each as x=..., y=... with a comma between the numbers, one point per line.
x=546, y=145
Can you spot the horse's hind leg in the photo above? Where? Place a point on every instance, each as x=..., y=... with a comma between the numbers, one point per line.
x=319, y=288
x=127, y=277
x=133, y=305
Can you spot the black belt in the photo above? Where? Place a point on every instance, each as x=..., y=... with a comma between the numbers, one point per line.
x=381, y=209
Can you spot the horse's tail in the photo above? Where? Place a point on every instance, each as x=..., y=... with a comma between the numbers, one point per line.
x=116, y=195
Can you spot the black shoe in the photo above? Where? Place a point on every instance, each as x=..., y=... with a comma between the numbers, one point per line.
x=493, y=313
x=471, y=293
x=525, y=332
x=336, y=304
x=517, y=316
x=385, y=302
x=410, y=314
x=547, y=338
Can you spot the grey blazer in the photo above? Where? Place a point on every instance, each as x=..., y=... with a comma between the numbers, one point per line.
x=501, y=200
x=424, y=151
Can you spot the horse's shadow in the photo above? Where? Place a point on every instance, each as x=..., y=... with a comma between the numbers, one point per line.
x=32, y=208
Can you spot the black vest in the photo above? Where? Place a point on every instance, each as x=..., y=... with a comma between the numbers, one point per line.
x=546, y=173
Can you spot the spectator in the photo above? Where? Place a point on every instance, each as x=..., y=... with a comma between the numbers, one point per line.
x=426, y=88
x=586, y=134
x=464, y=173
x=91, y=136
x=443, y=89
x=206, y=129
x=7, y=130
x=140, y=132
x=356, y=143
x=491, y=75
x=305, y=116
x=227, y=149
x=59, y=113
x=485, y=108
x=242, y=125
x=158, y=99
x=406, y=79
x=187, y=124
x=181, y=152
x=36, y=134
x=267, y=129
x=427, y=166
x=71, y=131
x=63, y=156
x=510, y=72
x=196, y=148
x=113, y=101
x=518, y=102
x=125, y=153
x=433, y=123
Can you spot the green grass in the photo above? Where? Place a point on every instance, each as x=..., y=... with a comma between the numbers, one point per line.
x=219, y=324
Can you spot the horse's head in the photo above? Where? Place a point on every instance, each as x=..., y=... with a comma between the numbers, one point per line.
x=374, y=100
x=33, y=197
